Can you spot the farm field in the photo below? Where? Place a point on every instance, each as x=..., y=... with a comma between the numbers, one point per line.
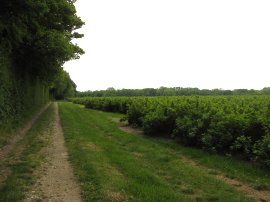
x=134, y=101
x=114, y=165
x=229, y=125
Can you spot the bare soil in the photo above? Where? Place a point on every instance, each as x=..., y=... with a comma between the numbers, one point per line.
x=130, y=129
x=247, y=189
x=56, y=181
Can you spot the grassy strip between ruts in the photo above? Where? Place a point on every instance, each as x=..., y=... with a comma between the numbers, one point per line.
x=25, y=158
x=116, y=166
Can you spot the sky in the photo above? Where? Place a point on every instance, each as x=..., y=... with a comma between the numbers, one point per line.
x=173, y=43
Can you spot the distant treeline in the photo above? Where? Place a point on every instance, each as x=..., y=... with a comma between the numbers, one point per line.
x=173, y=91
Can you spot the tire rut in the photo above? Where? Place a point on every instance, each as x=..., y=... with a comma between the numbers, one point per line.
x=5, y=151
x=56, y=181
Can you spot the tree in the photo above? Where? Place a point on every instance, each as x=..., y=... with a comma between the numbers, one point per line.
x=37, y=35
x=266, y=90
x=63, y=87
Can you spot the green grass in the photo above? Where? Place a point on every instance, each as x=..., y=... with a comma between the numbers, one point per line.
x=24, y=160
x=113, y=165
x=245, y=171
x=8, y=130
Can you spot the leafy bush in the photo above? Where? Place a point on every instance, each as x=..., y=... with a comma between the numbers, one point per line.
x=236, y=125
x=261, y=150
x=161, y=121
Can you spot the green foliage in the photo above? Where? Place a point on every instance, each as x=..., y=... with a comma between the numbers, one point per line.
x=18, y=97
x=35, y=41
x=63, y=86
x=109, y=162
x=261, y=150
x=174, y=91
x=235, y=125
x=38, y=34
x=25, y=159
x=159, y=121
x=266, y=90
x=19, y=100
x=135, y=113
x=242, y=144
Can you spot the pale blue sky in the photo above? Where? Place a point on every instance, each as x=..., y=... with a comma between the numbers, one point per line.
x=189, y=43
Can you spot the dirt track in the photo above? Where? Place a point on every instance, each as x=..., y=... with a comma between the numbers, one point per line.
x=56, y=181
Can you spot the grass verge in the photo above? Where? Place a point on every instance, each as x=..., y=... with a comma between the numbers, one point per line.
x=113, y=165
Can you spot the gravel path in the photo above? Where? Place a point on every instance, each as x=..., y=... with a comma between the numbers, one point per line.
x=56, y=181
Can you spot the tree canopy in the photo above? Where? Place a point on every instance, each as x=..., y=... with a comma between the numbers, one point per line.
x=63, y=86
x=37, y=35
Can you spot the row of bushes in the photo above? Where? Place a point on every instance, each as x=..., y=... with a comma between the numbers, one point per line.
x=235, y=125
